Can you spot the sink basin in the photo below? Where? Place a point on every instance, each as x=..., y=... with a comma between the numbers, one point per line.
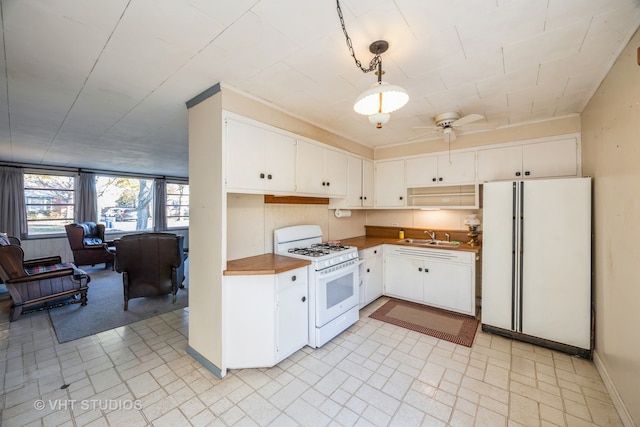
x=418, y=241
x=443, y=243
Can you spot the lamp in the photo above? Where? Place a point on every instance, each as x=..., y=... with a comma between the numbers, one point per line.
x=472, y=222
x=381, y=98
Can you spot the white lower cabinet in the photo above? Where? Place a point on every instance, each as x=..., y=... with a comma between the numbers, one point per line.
x=436, y=277
x=269, y=319
x=371, y=287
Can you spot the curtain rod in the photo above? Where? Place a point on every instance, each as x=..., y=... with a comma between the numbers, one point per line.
x=98, y=171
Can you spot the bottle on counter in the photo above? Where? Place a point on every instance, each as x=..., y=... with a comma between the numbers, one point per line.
x=401, y=234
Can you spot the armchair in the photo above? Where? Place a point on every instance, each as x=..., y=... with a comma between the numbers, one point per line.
x=40, y=284
x=151, y=264
x=88, y=245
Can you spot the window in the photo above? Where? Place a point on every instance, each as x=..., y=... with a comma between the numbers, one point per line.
x=49, y=202
x=177, y=205
x=125, y=203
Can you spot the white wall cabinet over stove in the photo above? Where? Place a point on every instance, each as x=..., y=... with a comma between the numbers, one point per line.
x=259, y=160
x=320, y=171
x=269, y=319
x=436, y=277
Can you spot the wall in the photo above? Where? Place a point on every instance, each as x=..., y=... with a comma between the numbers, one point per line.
x=207, y=233
x=251, y=223
x=561, y=126
x=446, y=219
x=611, y=152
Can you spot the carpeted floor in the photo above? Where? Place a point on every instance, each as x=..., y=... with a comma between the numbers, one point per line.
x=454, y=327
x=104, y=309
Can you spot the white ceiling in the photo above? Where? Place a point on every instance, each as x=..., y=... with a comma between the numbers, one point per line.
x=102, y=84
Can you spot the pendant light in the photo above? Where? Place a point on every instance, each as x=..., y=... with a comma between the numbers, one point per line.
x=381, y=98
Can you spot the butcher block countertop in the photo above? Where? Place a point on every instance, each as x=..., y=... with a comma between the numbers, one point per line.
x=263, y=264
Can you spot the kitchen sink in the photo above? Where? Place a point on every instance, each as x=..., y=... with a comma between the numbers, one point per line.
x=429, y=242
x=443, y=243
x=418, y=241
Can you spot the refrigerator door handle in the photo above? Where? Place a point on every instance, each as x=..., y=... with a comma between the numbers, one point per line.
x=521, y=260
x=514, y=248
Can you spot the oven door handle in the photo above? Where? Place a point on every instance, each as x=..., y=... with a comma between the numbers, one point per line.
x=339, y=272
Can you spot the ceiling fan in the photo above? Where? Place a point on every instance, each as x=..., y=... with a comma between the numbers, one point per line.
x=448, y=123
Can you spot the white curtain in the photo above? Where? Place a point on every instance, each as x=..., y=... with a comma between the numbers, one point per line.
x=86, y=198
x=13, y=218
x=160, y=205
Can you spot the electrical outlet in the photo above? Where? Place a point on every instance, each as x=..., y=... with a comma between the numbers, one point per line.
x=394, y=224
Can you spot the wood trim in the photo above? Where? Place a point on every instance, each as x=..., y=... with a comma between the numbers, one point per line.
x=296, y=200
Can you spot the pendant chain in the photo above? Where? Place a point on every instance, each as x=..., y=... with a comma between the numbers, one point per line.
x=373, y=64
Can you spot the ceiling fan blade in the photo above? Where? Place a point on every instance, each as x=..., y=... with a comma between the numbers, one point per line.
x=422, y=136
x=467, y=119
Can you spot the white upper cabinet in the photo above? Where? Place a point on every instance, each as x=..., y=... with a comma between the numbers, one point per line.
x=390, y=186
x=442, y=169
x=259, y=160
x=531, y=160
x=359, y=184
x=367, y=183
x=320, y=171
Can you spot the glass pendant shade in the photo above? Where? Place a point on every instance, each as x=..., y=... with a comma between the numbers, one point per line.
x=381, y=97
x=379, y=119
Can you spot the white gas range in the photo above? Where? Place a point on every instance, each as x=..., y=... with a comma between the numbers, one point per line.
x=333, y=279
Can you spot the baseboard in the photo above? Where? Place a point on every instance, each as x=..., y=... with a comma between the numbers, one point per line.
x=206, y=363
x=627, y=421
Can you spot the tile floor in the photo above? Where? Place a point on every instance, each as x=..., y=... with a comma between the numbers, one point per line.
x=374, y=374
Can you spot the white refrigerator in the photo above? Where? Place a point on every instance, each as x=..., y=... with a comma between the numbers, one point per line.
x=536, y=262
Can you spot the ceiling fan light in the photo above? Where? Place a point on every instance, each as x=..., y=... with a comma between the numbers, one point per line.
x=381, y=97
x=379, y=119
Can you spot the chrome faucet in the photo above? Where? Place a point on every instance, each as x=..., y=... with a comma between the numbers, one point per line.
x=431, y=233
x=447, y=236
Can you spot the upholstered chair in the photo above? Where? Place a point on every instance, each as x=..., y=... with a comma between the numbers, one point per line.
x=88, y=245
x=40, y=283
x=151, y=264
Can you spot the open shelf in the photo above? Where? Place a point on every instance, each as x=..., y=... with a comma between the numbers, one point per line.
x=449, y=196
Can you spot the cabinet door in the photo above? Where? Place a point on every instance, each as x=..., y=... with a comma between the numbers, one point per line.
x=292, y=312
x=449, y=286
x=354, y=182
x=403, y=277
x=280, y=158
x=310, y=169
x=367, y=183
x=497, y=164
x=422, y=171
x=245, y=156
x=373, y=272
x=457, y=168
x=550, y=159
x=335, y=174
x=389, y=184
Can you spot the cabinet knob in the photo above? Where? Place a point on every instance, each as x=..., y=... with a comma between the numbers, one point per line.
x=261, y=176
x=517, y=173
x=328, y=183
x=375, y=252
x=440, y=179
x=419, y=268
x=434, y=180
x=293, y=278
x=401, y=197
x=324, y=183
x=304, y=299
x=426, y=270
x=269, y=176
x=527, y=173
x=368, y=270
x=360, y=197
x=365, y=197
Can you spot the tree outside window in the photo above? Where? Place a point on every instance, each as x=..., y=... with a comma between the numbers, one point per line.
x=125, y=203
